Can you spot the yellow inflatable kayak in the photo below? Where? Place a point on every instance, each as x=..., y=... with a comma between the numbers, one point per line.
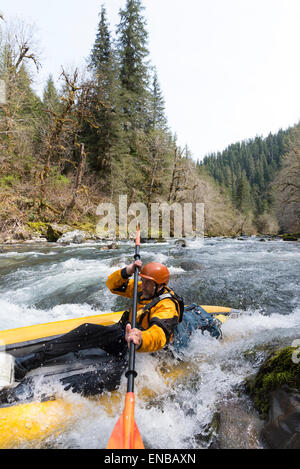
x=25, y=339
x=29, y=420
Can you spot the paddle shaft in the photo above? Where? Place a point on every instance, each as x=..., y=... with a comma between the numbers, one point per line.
x=126, y=434
x=131, y=373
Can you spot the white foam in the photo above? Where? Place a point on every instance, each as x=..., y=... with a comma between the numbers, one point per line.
x=252, y=323
x=176, y=270
x=179, y=411
x=70, y=275
x=14, y=254
x=14, y=316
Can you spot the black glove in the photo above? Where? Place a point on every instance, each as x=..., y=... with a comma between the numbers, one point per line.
x=95, y=382
x=124, y=320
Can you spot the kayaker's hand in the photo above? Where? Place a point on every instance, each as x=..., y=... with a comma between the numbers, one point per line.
x=133, y=335
x=130, y=269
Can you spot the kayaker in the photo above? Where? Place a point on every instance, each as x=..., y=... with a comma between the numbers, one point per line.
x=159, y=308
x=159, y=312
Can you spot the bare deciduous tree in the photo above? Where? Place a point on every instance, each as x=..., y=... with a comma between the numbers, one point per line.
x=287, y=187
x=19, y=51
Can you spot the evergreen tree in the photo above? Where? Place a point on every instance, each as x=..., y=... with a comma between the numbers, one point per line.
x=103, y=132
x=102, y=52
x=227, y=176
x=50, y=96
x=256, y=159
x=30, y=103
x=157, y=118
x=134, y=76
x=286, y=186
x=243, y=194
x=251, y=168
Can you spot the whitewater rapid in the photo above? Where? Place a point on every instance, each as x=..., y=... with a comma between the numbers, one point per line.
x=46, y=283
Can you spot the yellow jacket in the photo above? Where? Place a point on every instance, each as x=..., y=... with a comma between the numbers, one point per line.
x=158, y=324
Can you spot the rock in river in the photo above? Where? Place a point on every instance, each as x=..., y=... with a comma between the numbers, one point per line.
x=282, y=430
x=76, y=237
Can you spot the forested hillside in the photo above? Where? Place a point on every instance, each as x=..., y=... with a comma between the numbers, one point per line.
x=103, y=132
x=258, y=174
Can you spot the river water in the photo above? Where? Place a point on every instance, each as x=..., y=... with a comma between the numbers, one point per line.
x=48, y=282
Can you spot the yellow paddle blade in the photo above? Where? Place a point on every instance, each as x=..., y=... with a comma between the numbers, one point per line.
x=126, y=434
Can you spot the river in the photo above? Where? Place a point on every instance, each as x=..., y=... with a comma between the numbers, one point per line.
x=48, y=282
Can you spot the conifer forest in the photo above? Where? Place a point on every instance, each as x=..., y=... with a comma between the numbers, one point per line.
x=104, y=132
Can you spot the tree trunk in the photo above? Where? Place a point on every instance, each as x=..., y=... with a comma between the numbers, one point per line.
x=155, y=157
x=79, y=176
x=175, y=177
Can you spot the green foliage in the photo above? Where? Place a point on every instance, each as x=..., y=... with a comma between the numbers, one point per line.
x=248, y=168
x=286, y=186
x=126, y=111
x=59, y=180
x=10, y=180
x=278, y=369
x=102, y=52
x=134, y=75
x=103, y=132
x=118, y=113
x=157, y=118
x=87, y=226
x=31, y=103
x=50, y=96
x=63, y=179
x=243, y=198
x=39, y=227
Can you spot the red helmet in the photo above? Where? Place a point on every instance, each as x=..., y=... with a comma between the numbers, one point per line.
x=156, y=272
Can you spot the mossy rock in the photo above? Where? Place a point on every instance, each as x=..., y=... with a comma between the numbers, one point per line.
x=55, y=231
x=278, y=370
x=39, y=227
x=87, y=227
x=290, y=236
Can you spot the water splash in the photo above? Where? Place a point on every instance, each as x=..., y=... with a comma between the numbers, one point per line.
x=70, y=282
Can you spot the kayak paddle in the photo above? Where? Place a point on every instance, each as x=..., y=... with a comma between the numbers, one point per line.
x=126, y=434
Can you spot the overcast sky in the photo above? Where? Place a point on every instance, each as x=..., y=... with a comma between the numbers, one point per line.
x=228, y=69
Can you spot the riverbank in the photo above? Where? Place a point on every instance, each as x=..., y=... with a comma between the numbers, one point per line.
x=77, y=233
